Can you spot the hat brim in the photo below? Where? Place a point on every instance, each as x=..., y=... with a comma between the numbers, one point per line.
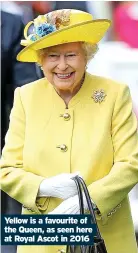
x=89, y=31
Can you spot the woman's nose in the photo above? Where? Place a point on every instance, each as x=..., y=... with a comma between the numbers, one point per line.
x=62, y=64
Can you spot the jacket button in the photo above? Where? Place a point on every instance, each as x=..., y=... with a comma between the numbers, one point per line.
x=109, y=214
x=119, y=205
x=66, y=116
x=63, y=147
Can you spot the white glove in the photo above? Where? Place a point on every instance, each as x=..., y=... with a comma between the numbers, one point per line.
x=70, y=206
x=60, y=186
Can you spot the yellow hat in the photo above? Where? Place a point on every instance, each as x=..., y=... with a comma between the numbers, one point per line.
x=59, y=27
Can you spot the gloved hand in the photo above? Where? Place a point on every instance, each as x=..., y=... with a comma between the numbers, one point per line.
x=70, y=206
x=60, y=186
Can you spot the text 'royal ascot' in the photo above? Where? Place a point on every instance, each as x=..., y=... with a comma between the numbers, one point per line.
x=48, y=230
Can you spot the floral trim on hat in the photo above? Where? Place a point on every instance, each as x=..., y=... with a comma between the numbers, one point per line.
x=46, y=24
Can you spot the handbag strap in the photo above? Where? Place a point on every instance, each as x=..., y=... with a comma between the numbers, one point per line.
x=80, y=183
x=97, y=239
x=99, y=245
x=80, y=195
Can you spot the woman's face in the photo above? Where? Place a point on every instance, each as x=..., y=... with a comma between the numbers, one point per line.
x=64, y=65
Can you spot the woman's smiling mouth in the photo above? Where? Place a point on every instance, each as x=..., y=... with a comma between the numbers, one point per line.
x=64, y=76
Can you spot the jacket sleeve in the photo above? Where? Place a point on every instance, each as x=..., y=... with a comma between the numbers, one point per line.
x=16, y=181
x=111, y=190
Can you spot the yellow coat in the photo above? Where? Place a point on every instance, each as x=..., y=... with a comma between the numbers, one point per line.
x=102, y=143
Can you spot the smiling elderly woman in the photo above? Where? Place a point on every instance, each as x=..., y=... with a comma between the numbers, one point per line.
x=54, y=61
x=71, y=121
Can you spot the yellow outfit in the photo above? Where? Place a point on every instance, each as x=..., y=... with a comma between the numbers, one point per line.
x=101, y=142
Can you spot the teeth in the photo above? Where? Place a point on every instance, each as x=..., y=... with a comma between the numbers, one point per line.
x=63, y=75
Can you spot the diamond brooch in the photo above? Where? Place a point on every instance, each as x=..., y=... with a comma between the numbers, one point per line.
x=98, y=96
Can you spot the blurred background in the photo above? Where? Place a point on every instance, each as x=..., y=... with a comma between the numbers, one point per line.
x=117, y=57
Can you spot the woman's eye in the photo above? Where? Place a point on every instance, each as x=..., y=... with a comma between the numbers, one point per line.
x=53, y=55
x=71, y=55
